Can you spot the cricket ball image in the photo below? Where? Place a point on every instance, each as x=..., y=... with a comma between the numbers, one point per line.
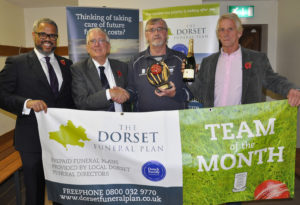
x=156, y=69
x=271, y=189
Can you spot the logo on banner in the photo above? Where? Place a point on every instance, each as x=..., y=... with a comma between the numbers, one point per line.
x=69, y=134
x=189, y=31
x=154, y=171
x=181, y=48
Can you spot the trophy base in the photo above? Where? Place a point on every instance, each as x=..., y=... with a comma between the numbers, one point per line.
x=163, y=87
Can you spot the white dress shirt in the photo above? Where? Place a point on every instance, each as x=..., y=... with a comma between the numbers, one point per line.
x=111, y=81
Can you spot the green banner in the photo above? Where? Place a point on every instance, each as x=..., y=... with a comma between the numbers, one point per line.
x=238, y=153
x=182, y=11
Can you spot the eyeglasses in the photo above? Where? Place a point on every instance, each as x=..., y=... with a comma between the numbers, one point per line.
x=158, y=29
x=100, y=41
x=43, y=35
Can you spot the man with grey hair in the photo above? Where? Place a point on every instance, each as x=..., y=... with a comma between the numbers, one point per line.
x=29, y=83
x=98, y=81
x=236, y=75
x=145, y=96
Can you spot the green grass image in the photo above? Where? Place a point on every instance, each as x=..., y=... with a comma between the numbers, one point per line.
x=216, y=187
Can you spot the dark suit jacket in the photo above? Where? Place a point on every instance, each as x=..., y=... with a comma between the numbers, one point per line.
x=254, y=79
x=23, y=78
x=87, y=90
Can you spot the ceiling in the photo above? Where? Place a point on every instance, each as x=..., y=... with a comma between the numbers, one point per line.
x=62, y=3
x=43, y=3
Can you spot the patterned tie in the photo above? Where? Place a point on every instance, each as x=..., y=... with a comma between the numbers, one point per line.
x=105, y=85
x=52, y=76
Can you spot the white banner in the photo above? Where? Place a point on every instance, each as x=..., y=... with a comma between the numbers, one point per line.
x=95, y=150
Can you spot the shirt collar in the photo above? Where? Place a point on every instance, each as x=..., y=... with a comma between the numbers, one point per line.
x=98, y=64
x=42, y=56
x=231, y=54
x=148, y=54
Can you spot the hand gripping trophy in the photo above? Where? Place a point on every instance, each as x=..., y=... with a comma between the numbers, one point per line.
x=158, y=75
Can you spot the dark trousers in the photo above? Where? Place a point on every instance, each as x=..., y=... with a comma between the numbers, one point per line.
x=33, y=177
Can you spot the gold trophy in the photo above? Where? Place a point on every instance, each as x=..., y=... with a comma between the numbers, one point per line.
x=158, y=75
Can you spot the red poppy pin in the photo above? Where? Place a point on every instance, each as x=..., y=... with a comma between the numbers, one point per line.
x=63, y=62
x=119, y=73
x=248, y=65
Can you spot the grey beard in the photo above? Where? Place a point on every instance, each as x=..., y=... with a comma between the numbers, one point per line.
x=40, y=49
x=160, y=43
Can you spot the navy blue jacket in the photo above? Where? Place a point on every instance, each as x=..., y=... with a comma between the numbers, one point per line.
x=142, y=92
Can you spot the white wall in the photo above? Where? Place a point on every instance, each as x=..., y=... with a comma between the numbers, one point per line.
x=288, y=40
x=11, y=24
x=12, y=33
x=7, y=121
x=265, y=12
x=288, y=44
x=58, y=14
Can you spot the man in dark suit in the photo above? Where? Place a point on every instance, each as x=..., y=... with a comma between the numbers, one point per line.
x=30, y=83
x=236, y=75
x=98, y=81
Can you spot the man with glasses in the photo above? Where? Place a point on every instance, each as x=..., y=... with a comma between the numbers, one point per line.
x=29, y=83
x=146, y=96
x=98, y=81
